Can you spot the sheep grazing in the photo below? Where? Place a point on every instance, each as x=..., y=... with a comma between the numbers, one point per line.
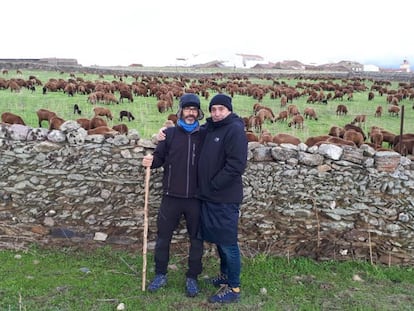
x=11, y=118
x=55, y=123
x=164, y=105
x=45, y=115
x=313, y=140
x=394, y=110
x=265, y=114
x=336, y=131
x=283, y=138
x=84, y=123
x=356, y=128
x=297, y=121
x=102, y=111
x=125, y=93
x=310, y=113
x=376, y=137
x=361, y=118
x=97, y=122
x=126, y=114
x=265, y=137
x=341, y=110
x=251, y=136
x=103, y=130
x=121, y=128
x=76, y=109
x=173, y=117
x=354, y=136
x=378, y=112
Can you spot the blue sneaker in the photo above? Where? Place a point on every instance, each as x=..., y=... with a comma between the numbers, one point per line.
x=219, y=280
x=225, y=294
x=191, y=287
x=159, y=281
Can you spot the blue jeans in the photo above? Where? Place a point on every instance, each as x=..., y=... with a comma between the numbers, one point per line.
x=230, y=263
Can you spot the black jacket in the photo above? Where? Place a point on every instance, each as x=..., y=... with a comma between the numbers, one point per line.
x=223, y=160
x=179, y=154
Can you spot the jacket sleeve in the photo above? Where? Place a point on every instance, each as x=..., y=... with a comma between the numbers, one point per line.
x=235, y=161
x=161, y=151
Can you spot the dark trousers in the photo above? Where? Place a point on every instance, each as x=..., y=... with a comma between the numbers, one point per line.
x=169, y=215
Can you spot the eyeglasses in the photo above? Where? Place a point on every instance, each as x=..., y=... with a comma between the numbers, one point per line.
x=188, y=109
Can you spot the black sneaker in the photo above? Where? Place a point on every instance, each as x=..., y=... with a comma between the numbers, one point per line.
x=225, y=294
x=191, y=287
x=219, y=280
x=159, y=281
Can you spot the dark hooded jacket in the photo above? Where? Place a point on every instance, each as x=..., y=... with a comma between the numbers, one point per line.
x=179, y=154
x=223, y=160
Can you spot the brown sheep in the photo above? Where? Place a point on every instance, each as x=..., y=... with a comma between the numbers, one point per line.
x=251, y=136
x=292, y=110
x=361, y=118
x=102, y=111
x=283, y=101
x=97, y=122
x=341, y=110
x=356, y=128
x=11, y=118
x=110, y=98
x=310, y=113
x=376, y=137
x=265, y=137
x=255, y=122
x=84, y=123
x=266, y=114
x=336, y=131
x=121, y=128
x=406, y=146
x=164, y=105
x=378, y=112
x=354, y=136
x=283, y=116
x=394, y=110
x=173, y=117
x=103, y=130
x=55, y=123
x=283, y=138
x=336, y=141
x=125, y=93
x=297, y=121
x=45, y=115
x=313, y=140
x=371, y=96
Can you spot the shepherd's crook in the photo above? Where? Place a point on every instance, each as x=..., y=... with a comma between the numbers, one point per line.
x=144, y=240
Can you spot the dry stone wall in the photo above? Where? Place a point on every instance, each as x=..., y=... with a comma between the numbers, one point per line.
x=323, y=202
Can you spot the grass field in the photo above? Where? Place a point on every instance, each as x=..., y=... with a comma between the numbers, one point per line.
x=148, y=120
x=101, y=279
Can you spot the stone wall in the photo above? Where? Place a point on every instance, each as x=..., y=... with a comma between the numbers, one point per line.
x=325, y=203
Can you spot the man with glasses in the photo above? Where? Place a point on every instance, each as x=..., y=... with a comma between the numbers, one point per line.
x=179, y=154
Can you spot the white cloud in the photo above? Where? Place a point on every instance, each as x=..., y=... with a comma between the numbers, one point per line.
x=157, y=32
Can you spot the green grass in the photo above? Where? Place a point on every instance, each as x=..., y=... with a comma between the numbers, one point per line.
x=46, y=279
x=149, y=120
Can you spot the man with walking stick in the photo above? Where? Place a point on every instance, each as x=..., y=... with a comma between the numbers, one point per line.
x=179, y=154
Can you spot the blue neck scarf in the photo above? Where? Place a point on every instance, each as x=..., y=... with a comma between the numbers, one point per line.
x=188, y=127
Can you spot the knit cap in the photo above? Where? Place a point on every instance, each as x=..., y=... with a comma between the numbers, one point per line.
x=221, y=99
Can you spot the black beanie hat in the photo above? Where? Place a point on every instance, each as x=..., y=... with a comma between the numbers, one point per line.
x=190, y=100
x=221, y=99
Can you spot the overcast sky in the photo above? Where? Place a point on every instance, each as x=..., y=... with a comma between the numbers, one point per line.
x=157, y=32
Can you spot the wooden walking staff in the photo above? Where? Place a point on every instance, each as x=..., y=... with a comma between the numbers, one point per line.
x=145, y=238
